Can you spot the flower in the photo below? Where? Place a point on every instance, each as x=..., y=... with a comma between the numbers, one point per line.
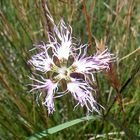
x=52, y=64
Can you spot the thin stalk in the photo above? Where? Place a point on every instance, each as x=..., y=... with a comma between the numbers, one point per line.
x=46, y=12
x=134, y=72
x=88, y=26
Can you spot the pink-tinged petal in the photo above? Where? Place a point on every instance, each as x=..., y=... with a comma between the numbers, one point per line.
x=42, y=62
x=82, y=92
x=62, y=41
x=50, y=87
x=86, y=65
x=50, y=97
x=103, y=60
x=82, y=65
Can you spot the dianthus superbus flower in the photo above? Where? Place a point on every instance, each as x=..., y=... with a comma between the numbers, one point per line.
x=51, y=63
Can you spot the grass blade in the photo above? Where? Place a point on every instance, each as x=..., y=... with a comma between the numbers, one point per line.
x=61, y=127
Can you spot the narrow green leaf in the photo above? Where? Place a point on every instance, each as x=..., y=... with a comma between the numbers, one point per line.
x=61, y=127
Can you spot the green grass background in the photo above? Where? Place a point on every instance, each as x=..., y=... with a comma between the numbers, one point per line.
x=23, y=23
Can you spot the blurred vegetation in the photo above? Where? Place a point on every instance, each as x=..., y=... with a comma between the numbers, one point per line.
x=23, y=24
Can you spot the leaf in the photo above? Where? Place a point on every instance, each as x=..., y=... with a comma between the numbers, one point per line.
x=61, y=127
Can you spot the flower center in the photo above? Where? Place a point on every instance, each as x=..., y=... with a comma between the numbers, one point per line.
x=63, y=71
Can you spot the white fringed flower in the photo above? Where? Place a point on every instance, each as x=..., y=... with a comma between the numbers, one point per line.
x=53, y=58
